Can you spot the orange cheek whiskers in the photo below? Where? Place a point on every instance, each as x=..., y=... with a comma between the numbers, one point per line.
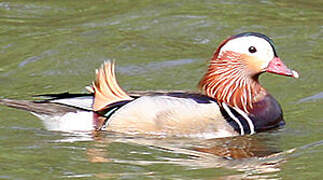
x=227, y=81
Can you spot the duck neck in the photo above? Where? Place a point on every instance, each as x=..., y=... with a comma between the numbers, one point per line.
x=228, y=81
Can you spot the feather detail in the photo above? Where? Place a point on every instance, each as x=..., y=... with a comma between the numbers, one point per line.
x=106, y=88
x=227, y=80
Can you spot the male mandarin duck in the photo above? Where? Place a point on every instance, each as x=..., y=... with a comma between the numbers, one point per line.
x=231, y=102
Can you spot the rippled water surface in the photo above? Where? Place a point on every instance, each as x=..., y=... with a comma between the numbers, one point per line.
x=54, y=46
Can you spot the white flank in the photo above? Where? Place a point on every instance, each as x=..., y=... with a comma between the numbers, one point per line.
x=69, y=122
x=84, y=102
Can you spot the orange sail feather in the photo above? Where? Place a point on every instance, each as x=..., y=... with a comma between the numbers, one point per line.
x=106, y=88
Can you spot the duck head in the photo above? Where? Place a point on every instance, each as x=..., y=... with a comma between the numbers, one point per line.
x=232, y=75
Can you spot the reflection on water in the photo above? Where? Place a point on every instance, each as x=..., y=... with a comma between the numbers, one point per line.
x=253, y=157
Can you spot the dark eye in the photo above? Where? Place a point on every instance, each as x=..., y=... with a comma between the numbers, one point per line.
x=252, y=49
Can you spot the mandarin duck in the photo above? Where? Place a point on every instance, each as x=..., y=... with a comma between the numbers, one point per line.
x=231, y=100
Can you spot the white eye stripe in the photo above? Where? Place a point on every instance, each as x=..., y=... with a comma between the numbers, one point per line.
x=264, y=51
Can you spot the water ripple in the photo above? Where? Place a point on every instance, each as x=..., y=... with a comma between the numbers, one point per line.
x=312, y=98
x=135, y=69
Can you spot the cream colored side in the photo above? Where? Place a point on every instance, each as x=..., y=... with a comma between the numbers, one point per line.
x=170, y=116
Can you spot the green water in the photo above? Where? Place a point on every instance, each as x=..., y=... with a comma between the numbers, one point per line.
x=54, y=46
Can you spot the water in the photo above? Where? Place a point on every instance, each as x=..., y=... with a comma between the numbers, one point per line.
x=54, y=46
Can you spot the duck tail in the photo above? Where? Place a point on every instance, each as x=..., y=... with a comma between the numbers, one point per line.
x=106, y=89
x=37, y=107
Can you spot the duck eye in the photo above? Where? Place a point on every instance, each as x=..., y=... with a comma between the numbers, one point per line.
x=252, y=49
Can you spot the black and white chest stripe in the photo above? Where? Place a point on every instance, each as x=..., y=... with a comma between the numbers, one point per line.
x=239, y=120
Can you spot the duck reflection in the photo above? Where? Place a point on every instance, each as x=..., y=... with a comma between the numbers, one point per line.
x=239, y=147
x=254, y=156
x=234, y=152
